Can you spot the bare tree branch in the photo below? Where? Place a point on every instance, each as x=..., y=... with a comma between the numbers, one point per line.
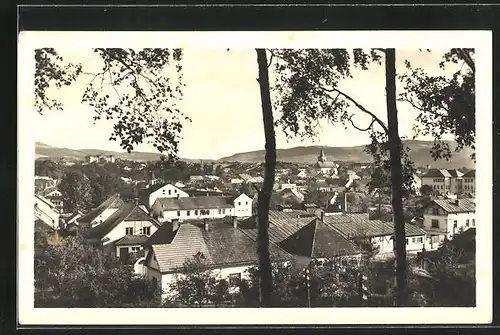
x=361, y=129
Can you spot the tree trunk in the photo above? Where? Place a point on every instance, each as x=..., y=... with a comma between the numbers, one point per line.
x=401, y=293
x=264, y=198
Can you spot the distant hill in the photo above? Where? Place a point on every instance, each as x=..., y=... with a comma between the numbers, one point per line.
x=419, y=153
x=44, y=151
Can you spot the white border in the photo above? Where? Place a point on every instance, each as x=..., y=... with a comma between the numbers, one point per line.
x=480, y=40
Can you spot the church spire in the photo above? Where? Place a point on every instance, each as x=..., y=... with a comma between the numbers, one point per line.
x=322, y=156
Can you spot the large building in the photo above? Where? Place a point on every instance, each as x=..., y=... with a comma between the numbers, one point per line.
x=210, y=207
x=444, y=181
x=323, y=166
x=470, y=182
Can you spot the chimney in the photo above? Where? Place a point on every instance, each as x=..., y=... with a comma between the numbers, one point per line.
x=178, y=195
x=175, y=225
x=235, y=222
x=205, y=224
x=322, y=216
x=457, y=202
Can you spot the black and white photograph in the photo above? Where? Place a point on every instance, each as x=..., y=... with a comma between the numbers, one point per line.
x=334, y=174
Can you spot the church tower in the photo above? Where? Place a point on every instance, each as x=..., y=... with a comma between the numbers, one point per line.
x=322, y=156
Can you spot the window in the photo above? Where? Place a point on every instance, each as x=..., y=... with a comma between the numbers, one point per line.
x=175, y=191
x=246, y=202
x=435, y=211
x=467, y=223
x=188, y=213
x=135, y=249
x=417, y=240
x=473, y=222
x=455, y=223
x=406, y=241
x=129, y=231
x=178, y=213
x=195, y=212
x=169, y=192
x=234, y=279
x=435, y=224
x=223, y=211
x=146, y=230
x=163, y=191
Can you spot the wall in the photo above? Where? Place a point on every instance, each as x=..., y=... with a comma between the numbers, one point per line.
x=167, y=191
x=470, y=185
x=386, y=245
x=446, y=222
x=119, y=231
x=213, y=214
x=48, y=214
x=242, y=206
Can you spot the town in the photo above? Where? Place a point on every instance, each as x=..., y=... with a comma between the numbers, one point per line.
x=155, y=217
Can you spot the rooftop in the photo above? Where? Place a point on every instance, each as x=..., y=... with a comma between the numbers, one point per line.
x=359, y=225
x=200, y=202
x=456, y=206
x=112, y=202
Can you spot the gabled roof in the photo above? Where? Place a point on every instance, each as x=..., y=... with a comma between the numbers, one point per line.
x=471, y=173
x=222, y=245
x=112, y=202
x=128, y=212
x=132, y=240
x=307, y=237
x=360, y=225
x=47, y=202
x=154, y=188
x=443, y=173
x=451, y=206
x=202, y=202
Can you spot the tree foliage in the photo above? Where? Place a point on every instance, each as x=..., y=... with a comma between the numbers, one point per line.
x=73, y=274
x=76, y=191
x=196, y=285
x=445, y=104
x=133, y=88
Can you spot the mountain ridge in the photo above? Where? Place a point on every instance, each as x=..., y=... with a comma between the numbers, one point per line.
x=419, y=153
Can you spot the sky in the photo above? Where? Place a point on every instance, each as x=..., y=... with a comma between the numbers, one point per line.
x=223, y=100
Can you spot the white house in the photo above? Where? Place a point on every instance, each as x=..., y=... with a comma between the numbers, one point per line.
x=359, y=227
x=470, y=182
x=46, y=211
x=201, y=207
x=416, y=184
x=102, y=212
x=124, y=231
x=444, y=181
x=148, y=196
x=55, y=197
x=445, y=217
x=222, y=246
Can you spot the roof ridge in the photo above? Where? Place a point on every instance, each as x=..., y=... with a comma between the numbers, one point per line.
x=315, y=220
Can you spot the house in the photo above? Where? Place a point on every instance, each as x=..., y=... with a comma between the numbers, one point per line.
x=237, y=181
x=124, y=231
x=54, y=196
x=444, y=181
x=92, y=158
x=102, y=212
x=179, y=185
x=71, y=218
x=302, y=174
x=46, y=212
x=190, y=208
x=149, y=195
x=43, y=182
x=469, y=182
x=361, y=228
x=305, y=237
x=196, y=179
x=323, y=166
x=220, y=244
x=445, y=217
